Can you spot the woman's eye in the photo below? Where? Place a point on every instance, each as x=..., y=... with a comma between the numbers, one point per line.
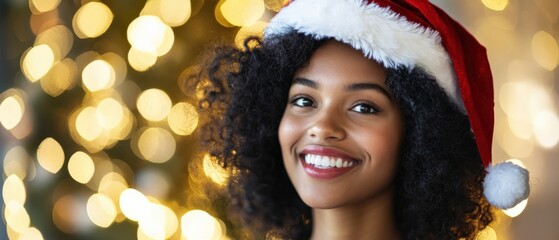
x=364, y=108
x=302, y=102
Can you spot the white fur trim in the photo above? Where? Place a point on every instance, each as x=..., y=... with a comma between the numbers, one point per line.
x=379, y=32
x=506, y=185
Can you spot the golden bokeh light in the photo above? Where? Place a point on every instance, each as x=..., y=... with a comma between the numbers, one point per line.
x=154, y=104
x=112, y=185
x=156, y=145
x=50, y=155
x=31, y=233
x=92, y=20
x=41, y=6
x=87, y=124
x=545, y=50
x=546, y=128
x=13, y=190
x=219, y=15
x=497, y=5
x=199, y=225
x=59, y=38
x=158, y=221
x=149, y=34
x=81, y=167
x=118, y=64
x=16, y=162
x=16, y=216
x=101, y=210
x=487, y=234
x=37, y=61
x=64, y=213
x=172, y=12
x=256, y=29
x=98, y=75
x=242, y=12
x=214, y=171
x=183, y=118
x=11, y=112
x=133, y=203
x=60, y=78
x=141, y=61
x=110, y=113
x=275, y=5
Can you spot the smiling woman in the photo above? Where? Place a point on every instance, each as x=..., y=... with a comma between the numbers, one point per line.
x=358, y=123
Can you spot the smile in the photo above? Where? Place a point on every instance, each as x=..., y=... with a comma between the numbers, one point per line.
x=325, y=162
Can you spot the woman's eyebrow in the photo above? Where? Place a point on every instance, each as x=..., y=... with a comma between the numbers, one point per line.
x=369, y=86
x=305, y=82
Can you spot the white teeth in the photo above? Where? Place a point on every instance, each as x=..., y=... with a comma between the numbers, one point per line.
x=327, y=162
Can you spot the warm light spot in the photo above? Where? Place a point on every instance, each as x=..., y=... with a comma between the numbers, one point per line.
x=214, y=171
x=119, y=66
x=31, y=234
x=87, y=125
x=92, y=20
x=50, y=155
x=486, y=234
x=521, y=127
x=497, y=5
x=175, y=12
x=153, y=182
x=41, y=6
x=101, y=210
x=183, y=118
x=112, y=185
x=154, y=104
x=219, y=15
x=546, y=128
x=133, y=204
x=11, y=112
x=141, y=61
x=16, y=162
x=122, y=131
x=59, y=38
x=256, y=29
x=60, y=78
x=275, y=5
x=158, y=221
x=516, y=210
x=109, y=113
x=16, y=216
x=148, y=33
x=37, y=62
x=156, y=145
x=13, y=190
x=199, y=225
x=545, y=50
x=98, y=75
x=535, y=98
x=242, y=12
x=81, y=167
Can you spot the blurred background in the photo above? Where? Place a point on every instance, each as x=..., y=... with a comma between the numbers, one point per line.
x=98, y=125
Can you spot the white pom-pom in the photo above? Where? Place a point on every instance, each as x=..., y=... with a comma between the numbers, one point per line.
x=505, y=185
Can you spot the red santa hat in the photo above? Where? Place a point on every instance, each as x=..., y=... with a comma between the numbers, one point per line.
x=415, y=33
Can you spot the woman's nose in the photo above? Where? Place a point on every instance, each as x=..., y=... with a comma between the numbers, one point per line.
x=327, y=127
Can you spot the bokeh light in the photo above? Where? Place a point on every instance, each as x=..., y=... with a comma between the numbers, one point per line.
x=98, y=75
x=101, y=210
x=199, y=225
x=183, y=118
x=50, y=155
x=11, y=112
x=149, y=34
x=487, y=234
x=545, y=50
x=16, y=162
x=81, y=167
x=158, y=221
x=92, y=20
x=242, y=12
x=13, y=190
x=133, y=203
x=156, y=145
x=37, y=62
x=497, y=5
x=214, y=171
x=154, y=104
x=16, y=216
x=41, y=6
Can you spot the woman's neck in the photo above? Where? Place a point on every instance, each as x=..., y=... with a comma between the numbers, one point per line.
x=372, y=219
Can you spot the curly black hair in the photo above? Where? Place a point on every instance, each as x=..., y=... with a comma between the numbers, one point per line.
x=439, y=179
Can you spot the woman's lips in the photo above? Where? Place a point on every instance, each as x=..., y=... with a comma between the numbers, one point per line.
x=325, y=162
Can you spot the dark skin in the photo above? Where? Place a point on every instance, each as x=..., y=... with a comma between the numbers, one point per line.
x=341, y=110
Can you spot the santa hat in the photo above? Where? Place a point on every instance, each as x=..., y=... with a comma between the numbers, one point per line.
x=415, y=33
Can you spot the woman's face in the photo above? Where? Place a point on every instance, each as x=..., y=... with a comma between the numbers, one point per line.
x=341, y=129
